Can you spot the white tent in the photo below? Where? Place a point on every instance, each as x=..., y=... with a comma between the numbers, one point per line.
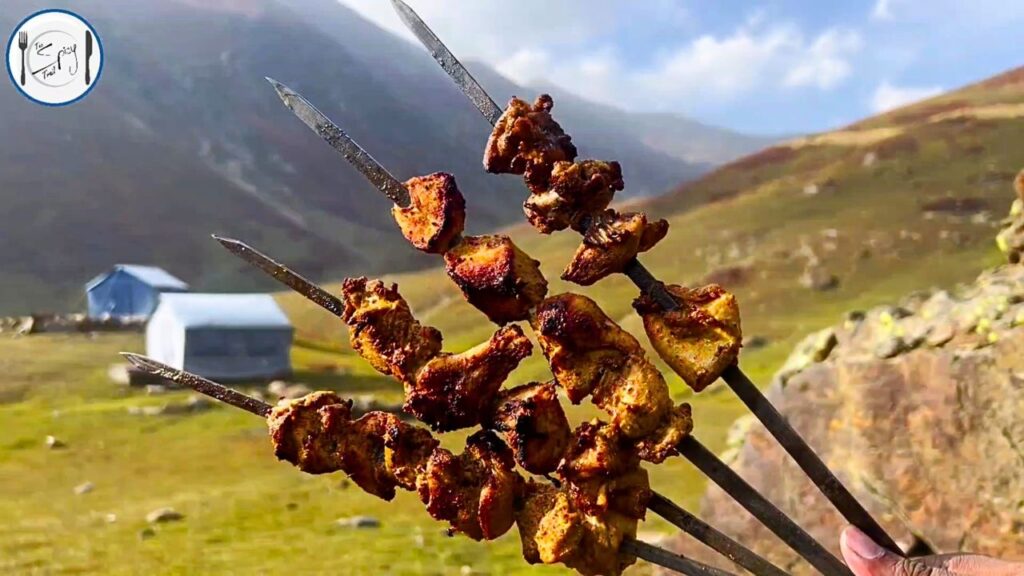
x=221, y=336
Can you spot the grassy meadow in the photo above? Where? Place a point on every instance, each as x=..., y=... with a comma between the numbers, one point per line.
x=906, y=201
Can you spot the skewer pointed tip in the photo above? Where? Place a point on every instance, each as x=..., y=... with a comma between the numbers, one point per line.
x=141, y=362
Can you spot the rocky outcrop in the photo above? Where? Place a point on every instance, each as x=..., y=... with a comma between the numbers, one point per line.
x=1011, y=238
x=917, y=407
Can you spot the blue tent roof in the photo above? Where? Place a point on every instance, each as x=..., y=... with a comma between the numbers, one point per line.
x=224, y=310
x=151, y=275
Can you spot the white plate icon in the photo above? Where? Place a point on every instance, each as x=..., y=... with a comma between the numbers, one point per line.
x=54, y=57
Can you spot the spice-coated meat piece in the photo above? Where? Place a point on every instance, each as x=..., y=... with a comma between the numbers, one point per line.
x=496, y=277
x=527, y=140
x=436, y=215
x=383, y=330
x=698, y=340
x=575, y=190
x=610, y=242
x=590, y=354
x=475, y=491
x=553, y=531
x=664, y=440
x=455, y=391
x=534, y=425
x=377, y=451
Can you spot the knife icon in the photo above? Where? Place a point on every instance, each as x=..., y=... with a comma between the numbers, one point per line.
x=88, y=55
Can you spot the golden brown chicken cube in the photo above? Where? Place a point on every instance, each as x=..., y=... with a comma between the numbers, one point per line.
x=298, y=435
x=663, y=441
x=436, y=215
x=580, y=342
x=534, y=424
x=377, y=451
x=590, y=354
x=455, y=391
x=700, y=339
x=553, y=531
x=549, y=529
x=610, y=242
x=527, y=140
x=475, y=491
x=496, y=277
x=575, y=190
x=597, y=450
x=383, y=330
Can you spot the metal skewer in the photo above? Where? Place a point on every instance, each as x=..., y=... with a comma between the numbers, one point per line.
x=640, y=549
x=791, y=441
x=659, y=504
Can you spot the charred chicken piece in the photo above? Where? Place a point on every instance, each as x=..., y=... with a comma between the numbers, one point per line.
x=527, y=140
x=378, y=451
x=455, y=391
x=626, y=494
x=590, y=354
x=553, y=531
x=475, y=491
x=610, y=242
x=662, y=443
x=496, y=277
x=436, y=215
x=597, y=450
x=383, y=330
x=700, y=339
x=575, y=190
x=534, y=424
x=299, y=436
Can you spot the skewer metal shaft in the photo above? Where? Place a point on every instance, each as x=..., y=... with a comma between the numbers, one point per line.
x=806, y=458
x=774, y=519
x=200, y=384
x=283, y=274
x=711, y=537
x=666, y=559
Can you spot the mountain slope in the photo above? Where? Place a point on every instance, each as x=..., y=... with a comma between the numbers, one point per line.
x=895, y=203
x=183, y=138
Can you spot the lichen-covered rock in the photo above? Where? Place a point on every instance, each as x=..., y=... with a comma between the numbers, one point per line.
x=929, y=438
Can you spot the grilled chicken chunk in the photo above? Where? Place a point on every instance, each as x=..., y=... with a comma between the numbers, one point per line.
x=383, y=330
x=597, y=450
x=610, y=242
x=496, y=277
x=534, y=424
x=436, y=215
x=575, y=190
x=660, y=444
x=700, y=339
x=590, y=354
x=455, y=391
x=475, y=491
x=527, y=140
x=378, y=451
x=553, y=531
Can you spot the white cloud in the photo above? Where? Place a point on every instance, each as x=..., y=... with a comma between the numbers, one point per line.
x=887, y=96
x=882, y=10
x=588, y=55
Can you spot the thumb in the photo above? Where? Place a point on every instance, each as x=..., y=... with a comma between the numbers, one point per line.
x=866, y=558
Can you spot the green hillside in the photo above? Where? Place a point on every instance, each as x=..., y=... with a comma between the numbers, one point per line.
x=904, y=201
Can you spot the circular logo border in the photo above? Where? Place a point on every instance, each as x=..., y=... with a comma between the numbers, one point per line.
x=99, y=43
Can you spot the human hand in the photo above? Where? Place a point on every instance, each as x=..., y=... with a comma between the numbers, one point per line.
x=865, y=558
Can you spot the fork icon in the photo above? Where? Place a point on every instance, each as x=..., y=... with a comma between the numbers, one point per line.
x=23, y=44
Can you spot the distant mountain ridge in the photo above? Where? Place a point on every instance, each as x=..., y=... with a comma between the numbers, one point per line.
x=183, y=138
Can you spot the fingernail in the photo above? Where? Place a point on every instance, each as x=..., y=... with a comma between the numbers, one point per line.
x=861, y=545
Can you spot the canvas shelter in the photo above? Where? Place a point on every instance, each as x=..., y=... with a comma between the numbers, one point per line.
x=129, y=291
x=221, y=336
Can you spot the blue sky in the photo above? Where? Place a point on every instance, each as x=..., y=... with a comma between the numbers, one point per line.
x=771, y=67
